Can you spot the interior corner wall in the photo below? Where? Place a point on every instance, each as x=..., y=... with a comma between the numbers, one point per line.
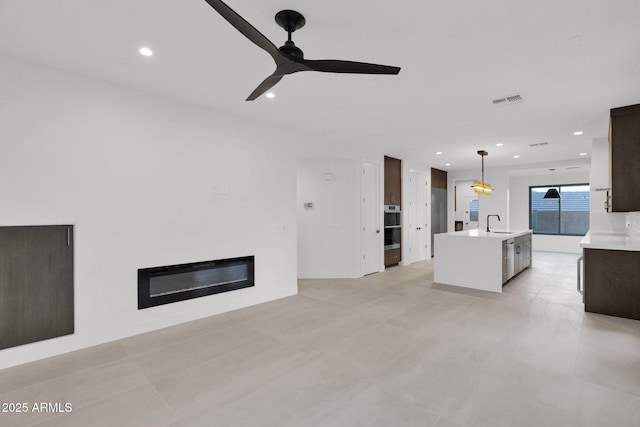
x=328, y=232
x=144, y=180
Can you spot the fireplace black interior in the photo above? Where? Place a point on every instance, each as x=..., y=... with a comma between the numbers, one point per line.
x=164, y=285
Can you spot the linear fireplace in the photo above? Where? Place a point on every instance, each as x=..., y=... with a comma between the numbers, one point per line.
x=164, y=285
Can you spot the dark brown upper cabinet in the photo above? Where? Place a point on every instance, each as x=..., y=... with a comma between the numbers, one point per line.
x=392, y=181
x=624, y=144
x=438, y=178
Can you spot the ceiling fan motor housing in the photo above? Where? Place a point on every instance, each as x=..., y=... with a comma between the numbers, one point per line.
x=291, y=50
x=290, y=20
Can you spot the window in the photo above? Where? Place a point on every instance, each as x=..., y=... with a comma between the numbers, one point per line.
x=473, y=210
x=568, y=215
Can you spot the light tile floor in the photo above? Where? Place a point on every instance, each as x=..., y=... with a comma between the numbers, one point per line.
x=389, y=349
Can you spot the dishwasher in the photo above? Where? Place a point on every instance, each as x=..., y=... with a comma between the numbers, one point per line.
x=511, y=253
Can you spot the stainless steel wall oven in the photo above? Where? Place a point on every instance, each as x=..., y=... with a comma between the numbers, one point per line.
x=392, y=226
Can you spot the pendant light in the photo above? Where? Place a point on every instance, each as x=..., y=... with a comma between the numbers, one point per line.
x=552, y=193
x=481, y=186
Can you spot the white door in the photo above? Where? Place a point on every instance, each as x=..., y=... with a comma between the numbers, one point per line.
x=417, y=218
x=412, y=218
x=421, y=215
x=370, y=209
x=471, y=213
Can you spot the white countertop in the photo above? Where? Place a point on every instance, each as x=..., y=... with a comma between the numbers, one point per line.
x=493, y=234
x=610, y=241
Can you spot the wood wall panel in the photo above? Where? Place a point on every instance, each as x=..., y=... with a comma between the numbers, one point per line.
x=612, y=282
x=36, y=283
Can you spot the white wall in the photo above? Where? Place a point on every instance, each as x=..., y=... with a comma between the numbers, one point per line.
x=328, y=233
x=496, y=203
x=134, y=174
x=601, y=220
x=519, y=209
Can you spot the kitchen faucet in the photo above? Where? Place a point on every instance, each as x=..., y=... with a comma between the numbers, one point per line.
x=488, y=220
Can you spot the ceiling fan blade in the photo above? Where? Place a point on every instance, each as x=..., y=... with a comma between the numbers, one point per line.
x=243, y=26
x=337, y=66
x=267, y=84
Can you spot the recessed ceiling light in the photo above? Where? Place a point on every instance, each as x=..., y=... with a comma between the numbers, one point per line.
x=270, y=95
x=447, y=164
x=578, y=132
x=499, y=144
x=516, y=157
x=145, y=51
x=583, y=154
x=439, y=152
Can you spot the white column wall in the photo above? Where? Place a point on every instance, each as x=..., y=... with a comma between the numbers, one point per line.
x=328, y=233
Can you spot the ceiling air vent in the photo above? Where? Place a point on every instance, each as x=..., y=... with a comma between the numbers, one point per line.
x=538, y=144
x=507, y=100
x=573, y=167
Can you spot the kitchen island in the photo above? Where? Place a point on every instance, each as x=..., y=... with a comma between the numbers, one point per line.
x=480, y=260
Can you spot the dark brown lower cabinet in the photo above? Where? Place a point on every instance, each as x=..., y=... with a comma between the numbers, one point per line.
x=391, y=257
x=612, y=282
x=36, y=283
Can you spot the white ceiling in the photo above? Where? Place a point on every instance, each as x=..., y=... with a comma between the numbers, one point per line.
x=571, y=61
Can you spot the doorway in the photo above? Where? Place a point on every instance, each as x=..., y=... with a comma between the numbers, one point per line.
x=471, y=207
x=438, y=204
x=467, y=205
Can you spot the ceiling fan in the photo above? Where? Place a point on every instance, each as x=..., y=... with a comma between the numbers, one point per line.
x=289, y=58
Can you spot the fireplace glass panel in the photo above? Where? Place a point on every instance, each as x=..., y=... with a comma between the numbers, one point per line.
x=173, y=283
x=181, y=282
